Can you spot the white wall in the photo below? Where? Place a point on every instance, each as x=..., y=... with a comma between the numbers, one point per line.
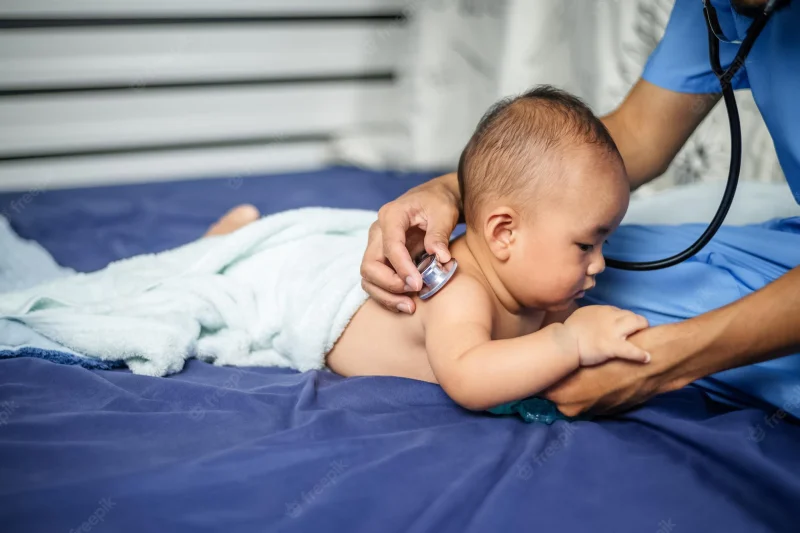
x=107, y=91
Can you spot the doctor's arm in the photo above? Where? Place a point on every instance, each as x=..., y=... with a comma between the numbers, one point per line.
x=652, y=124
x=761, y=326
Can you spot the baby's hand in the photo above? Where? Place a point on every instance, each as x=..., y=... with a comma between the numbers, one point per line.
x=601, y=332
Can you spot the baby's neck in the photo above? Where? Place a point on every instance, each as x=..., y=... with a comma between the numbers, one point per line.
x=473, y=252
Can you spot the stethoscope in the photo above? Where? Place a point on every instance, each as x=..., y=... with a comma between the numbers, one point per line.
x=435, y=274
x=715, y=35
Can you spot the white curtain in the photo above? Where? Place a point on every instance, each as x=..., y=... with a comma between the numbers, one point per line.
x=465, y=54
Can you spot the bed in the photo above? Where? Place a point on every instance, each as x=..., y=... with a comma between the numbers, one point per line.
x=259, y=449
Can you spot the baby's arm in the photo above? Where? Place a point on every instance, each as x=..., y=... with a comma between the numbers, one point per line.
x=478, y=372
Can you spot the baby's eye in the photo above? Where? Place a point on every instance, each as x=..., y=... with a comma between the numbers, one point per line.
x=586, y=247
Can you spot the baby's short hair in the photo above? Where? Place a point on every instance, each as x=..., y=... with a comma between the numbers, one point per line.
x=517, y=134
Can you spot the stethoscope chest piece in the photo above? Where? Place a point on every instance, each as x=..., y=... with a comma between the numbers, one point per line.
x=434, y=274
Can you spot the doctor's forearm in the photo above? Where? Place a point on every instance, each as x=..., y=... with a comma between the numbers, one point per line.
x=764, y=325
x=450, y=182
x=652, y=124
x=639, y=163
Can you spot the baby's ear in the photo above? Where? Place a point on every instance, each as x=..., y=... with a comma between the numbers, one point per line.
x=500, y=231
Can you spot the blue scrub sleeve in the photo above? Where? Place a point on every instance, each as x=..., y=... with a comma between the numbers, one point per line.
x=680, y=61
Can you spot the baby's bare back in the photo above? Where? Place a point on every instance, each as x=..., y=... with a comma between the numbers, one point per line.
x=378, y=342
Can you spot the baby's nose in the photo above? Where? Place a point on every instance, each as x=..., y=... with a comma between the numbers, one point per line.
x=597, y=265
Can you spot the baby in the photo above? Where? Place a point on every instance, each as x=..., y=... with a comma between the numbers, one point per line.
x=543, y=186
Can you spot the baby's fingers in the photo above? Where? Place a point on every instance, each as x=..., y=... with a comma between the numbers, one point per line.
x=631, y=352
x=630, y=323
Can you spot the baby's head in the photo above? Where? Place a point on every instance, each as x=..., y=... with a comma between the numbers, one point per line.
x=543, y=186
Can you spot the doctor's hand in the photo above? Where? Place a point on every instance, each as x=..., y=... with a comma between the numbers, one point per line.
x=619, y=385
x=423, y=218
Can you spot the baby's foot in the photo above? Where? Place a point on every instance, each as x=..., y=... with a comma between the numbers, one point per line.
x=239, y=216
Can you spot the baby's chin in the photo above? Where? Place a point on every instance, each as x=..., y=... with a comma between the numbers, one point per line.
x=568, y=302
x=550, y=306
x=562, y=306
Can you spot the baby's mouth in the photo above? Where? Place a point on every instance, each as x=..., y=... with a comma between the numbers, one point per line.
x=582, y=292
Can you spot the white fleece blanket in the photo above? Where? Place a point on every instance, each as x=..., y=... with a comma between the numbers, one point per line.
x=278, y=292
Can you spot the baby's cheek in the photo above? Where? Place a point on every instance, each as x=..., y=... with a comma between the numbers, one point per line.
x=547, y=279
x=531, y=289
x=547, y=293
x=571, y=278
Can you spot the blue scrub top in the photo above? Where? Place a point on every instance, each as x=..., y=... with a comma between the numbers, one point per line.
x=771, y=71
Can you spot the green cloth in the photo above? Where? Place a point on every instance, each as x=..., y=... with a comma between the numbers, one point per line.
x=534, y=410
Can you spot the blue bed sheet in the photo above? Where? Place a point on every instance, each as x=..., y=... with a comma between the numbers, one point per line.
x=254, y=449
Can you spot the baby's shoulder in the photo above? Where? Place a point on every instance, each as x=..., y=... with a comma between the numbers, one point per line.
x=466, y=284
x=465, y=295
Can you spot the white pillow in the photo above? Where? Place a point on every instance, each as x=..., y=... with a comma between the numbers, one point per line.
x=697, y=202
